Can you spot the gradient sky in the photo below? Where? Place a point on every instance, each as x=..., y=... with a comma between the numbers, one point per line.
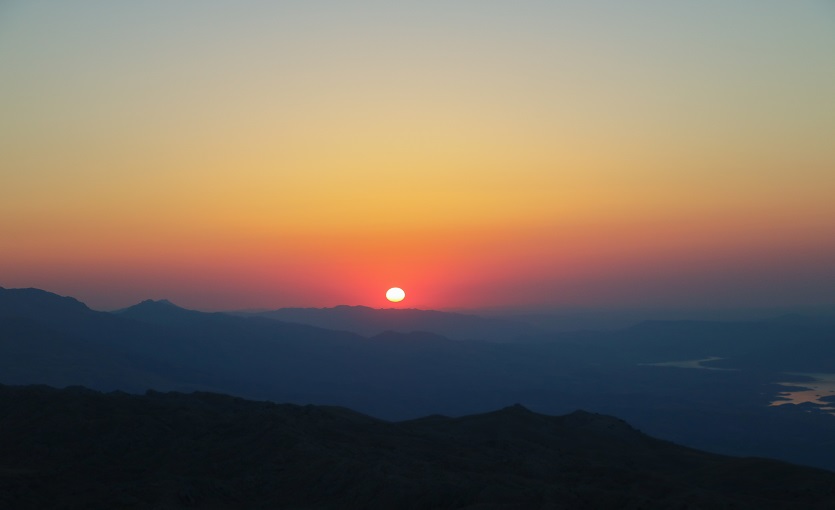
x=516, y=154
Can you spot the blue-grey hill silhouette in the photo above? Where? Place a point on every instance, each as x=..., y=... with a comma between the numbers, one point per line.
x=368, y=321
x=48, y=339
x=78, y=449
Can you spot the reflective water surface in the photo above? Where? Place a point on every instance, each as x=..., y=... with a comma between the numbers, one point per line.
x=797, y=392
x=692, y=363
x=808, y=391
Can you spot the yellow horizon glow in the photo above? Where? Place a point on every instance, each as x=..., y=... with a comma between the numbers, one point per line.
x=513, y=153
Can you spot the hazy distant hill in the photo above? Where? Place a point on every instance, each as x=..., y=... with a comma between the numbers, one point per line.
x=41, y=304
x=48, y=338
x=78, y=449
x=373, y=321
x=45, y=338
x=161, y=312
x=800, y=344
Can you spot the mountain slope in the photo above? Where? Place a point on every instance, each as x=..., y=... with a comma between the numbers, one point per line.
x=160, y=312
x=76, y=448
x=373, y=321
x=400, y=376
x=36, y=302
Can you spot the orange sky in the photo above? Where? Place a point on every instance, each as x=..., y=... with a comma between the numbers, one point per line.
x=476, y=155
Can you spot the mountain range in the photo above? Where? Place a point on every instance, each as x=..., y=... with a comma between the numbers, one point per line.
x=367, y=321
x=79, y=449
x=54, y=340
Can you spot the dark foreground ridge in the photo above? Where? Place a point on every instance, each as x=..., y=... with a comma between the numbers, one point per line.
x=76, y=448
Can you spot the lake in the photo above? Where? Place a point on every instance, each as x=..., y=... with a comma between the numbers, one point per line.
x=797, y=392
x=823, y=385
x=692, y=363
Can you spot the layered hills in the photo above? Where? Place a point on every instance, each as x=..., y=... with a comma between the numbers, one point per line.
x=374, y=321
x=48, y=339
x=76, y=448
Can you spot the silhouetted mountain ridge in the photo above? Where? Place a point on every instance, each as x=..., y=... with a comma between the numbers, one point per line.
x=38, y=303
x=160, y=311
x=404, y=375
x=80, y=449
x=373, y=321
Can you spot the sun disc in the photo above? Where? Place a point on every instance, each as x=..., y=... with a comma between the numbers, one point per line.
x=395, y=294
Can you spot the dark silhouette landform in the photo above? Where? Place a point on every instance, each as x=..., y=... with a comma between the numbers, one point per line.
x=58, y=341
x=80, y=449
x=374, y=321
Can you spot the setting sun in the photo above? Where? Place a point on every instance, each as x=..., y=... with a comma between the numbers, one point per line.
x=395, y=294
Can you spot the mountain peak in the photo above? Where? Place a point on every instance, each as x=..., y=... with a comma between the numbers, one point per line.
x=160, y=305
x=160, y=302
x=347, y=307
x=516, y=409
x=38, y=303
x=161, y=310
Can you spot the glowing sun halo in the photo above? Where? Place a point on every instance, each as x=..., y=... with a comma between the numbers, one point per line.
x=395, y=294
